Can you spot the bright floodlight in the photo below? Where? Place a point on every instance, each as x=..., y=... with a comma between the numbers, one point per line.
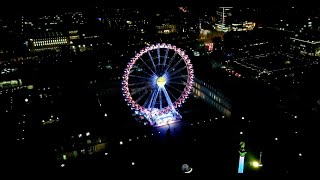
x=256, y=164
x=161, y=81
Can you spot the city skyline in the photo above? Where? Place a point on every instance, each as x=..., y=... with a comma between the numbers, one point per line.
x=91, y=89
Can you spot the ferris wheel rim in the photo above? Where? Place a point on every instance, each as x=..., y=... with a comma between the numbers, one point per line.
x=186, y=91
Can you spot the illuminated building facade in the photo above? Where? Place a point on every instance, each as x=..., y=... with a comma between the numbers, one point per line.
x=244, y=26
x=55, y=32
x=50, y=43
x=224, y=14
x=73, y=39
x=82, y=40
x=212, y=96
x=166, y=29
x=209, y=46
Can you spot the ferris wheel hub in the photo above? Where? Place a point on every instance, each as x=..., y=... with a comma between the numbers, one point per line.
x=161, y=81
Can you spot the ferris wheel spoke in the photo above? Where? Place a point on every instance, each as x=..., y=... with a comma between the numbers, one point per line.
x=177, y=71
x=138, y=84
x=143, y=73
x=140, y=77
x=176, y=77
x=171, y=60
x=137, y=90
x=171, y=94
x=158, y=53
x=147, y=100
x=171, y=68
x=160, y=98
x=155, y=98
x=181, y=83
x=149, y=75
x=151, y=59
x=165, y=57
x=142, y=96
x=148, y=65
x=167, y=97
x=150, y=100
x=174, y=88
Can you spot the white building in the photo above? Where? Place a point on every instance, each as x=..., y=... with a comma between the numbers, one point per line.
x=224, y=14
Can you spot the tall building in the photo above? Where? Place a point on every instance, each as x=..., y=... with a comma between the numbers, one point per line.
x=213, y=96
x=223, y=16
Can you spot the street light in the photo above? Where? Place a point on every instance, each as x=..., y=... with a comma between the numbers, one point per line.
x=256, y=164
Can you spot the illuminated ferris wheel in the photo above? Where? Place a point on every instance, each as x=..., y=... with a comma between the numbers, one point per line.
x=157, y=81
